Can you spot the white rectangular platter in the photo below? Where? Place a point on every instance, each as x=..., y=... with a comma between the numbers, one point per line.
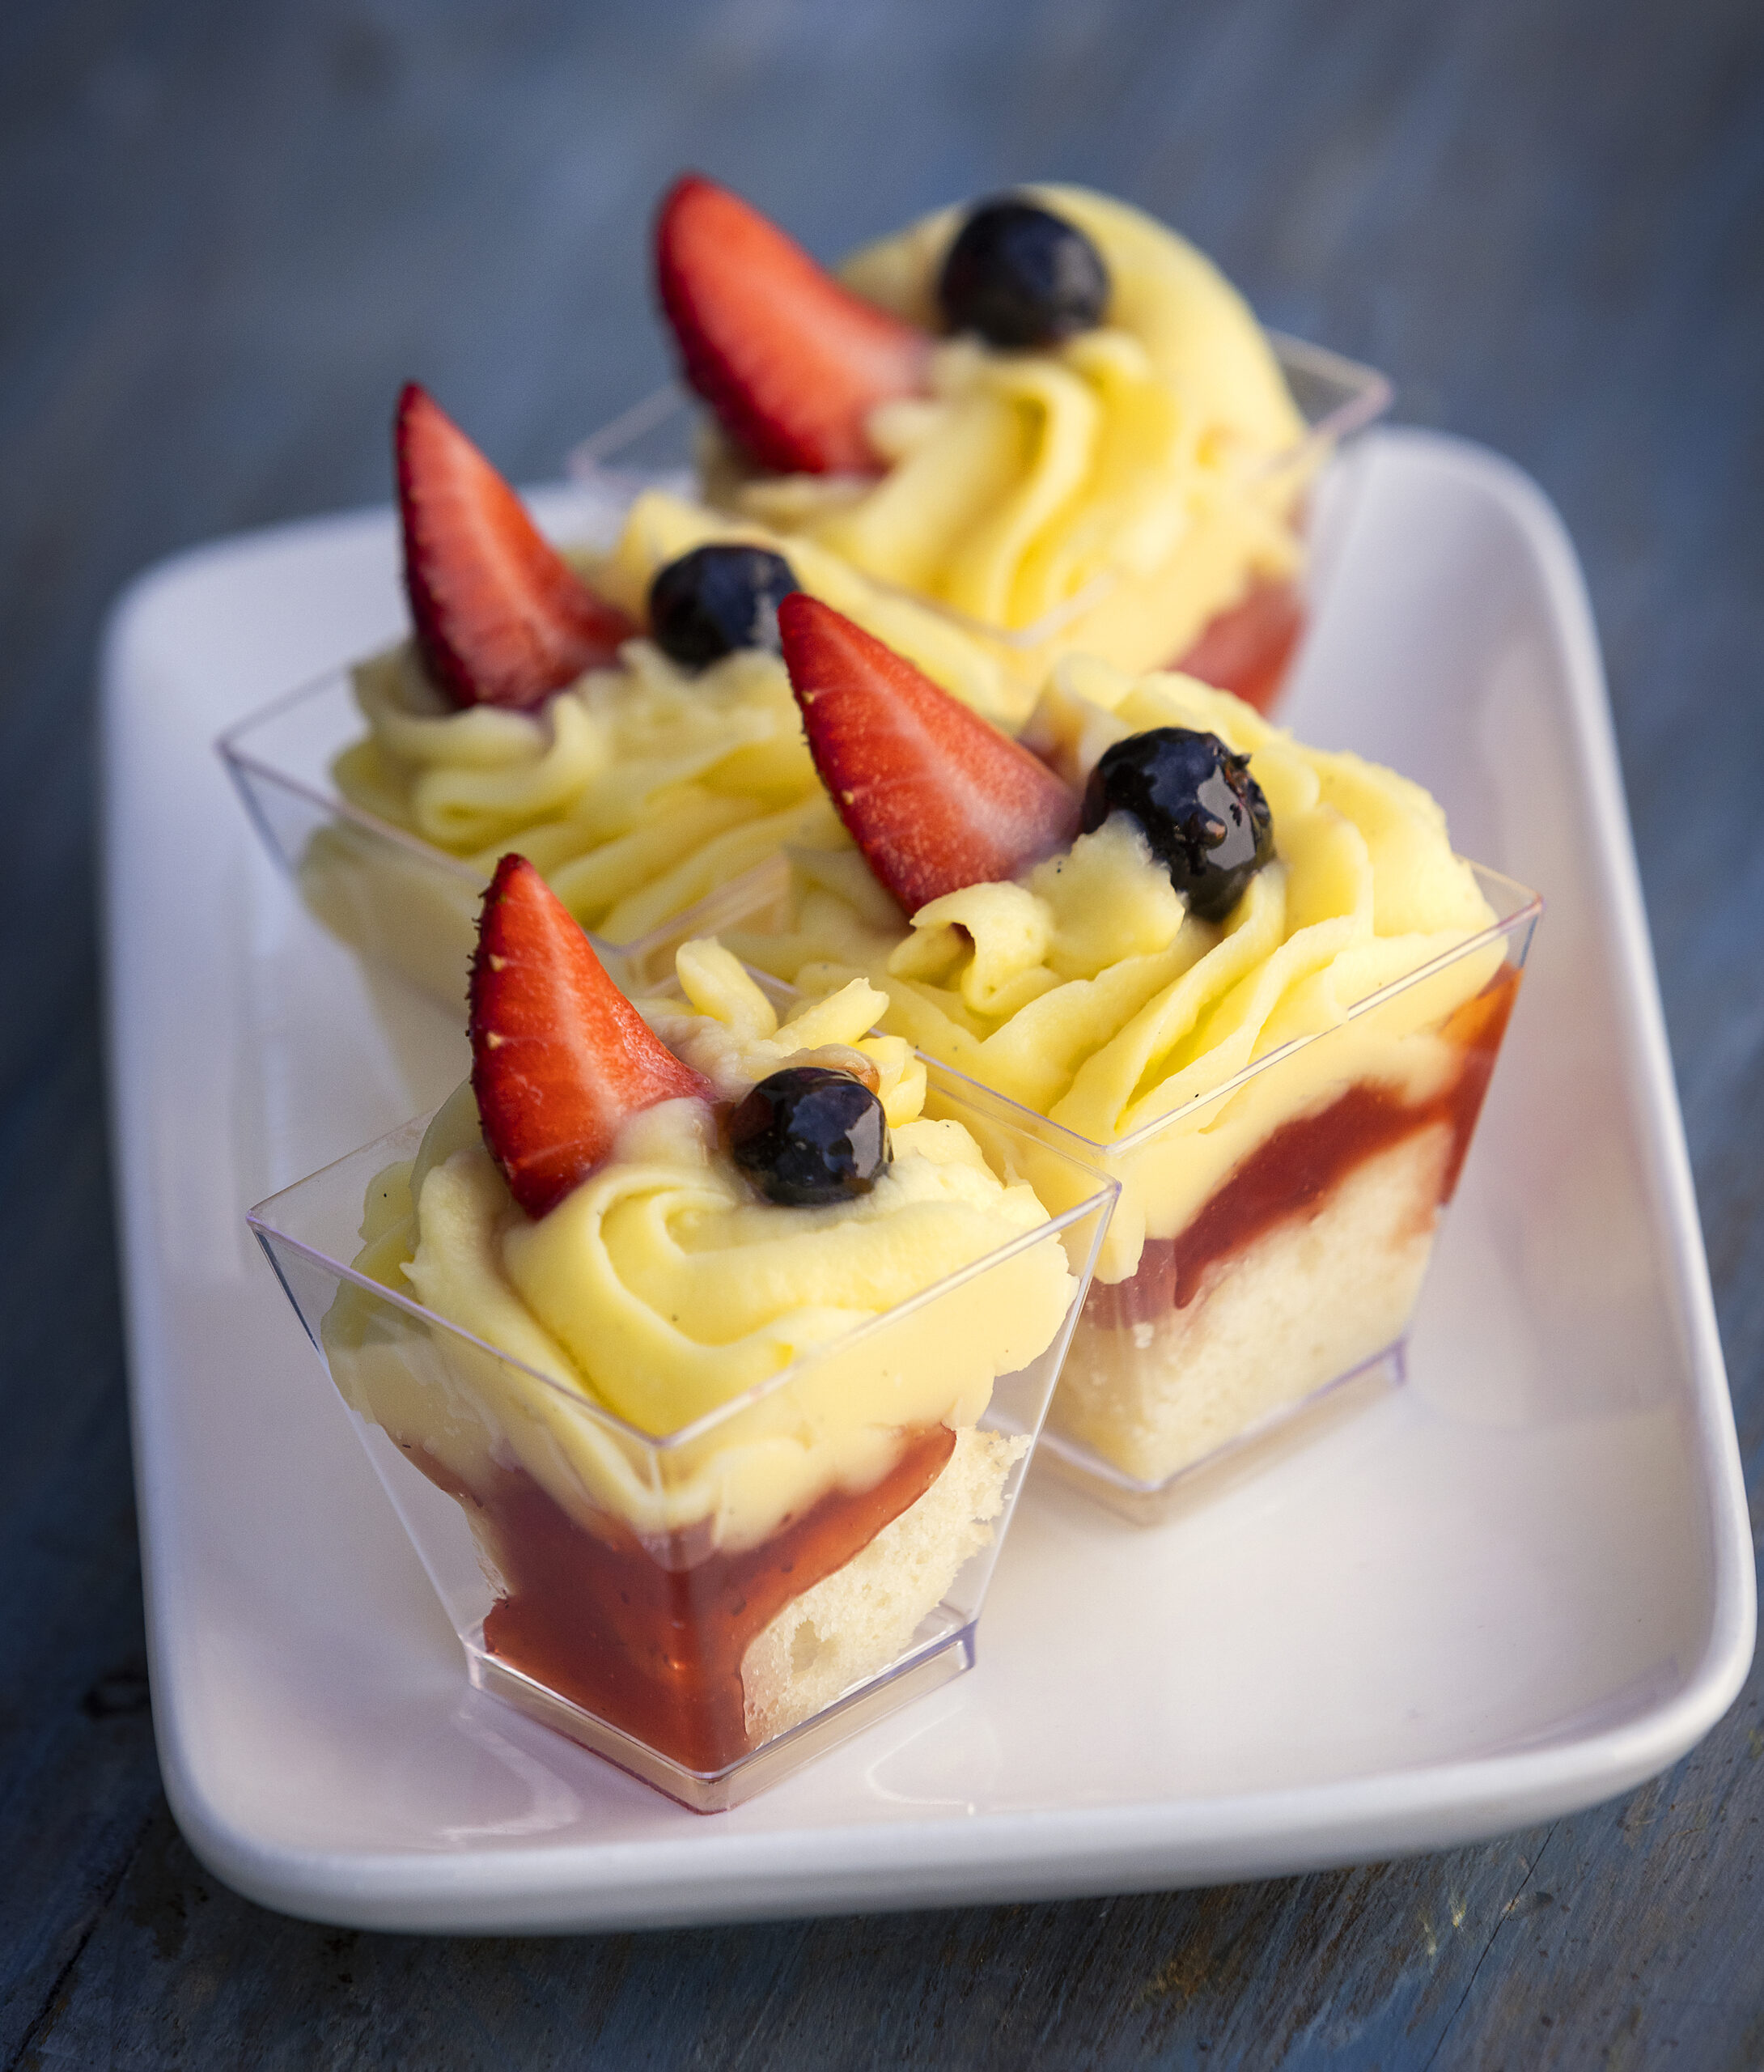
x=1521, y=1584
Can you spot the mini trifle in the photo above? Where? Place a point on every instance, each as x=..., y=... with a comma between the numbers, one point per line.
x=1249, y=978
x=1046, y=413
x=701, y=1355
x=620, y=717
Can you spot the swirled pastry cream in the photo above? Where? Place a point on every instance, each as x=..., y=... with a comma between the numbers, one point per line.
x=727, y=1234
x=642, y=753
x=1047, y=413
x=637, y=789
x=1236, y=901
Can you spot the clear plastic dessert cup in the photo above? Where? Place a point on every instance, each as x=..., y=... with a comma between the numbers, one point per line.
x=592, y=1571
x=402, y=903
x=1272, y=1237
x=1248, y=648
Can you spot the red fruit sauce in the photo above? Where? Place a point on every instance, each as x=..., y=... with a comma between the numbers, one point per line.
x=1289, y=1174
x=1246, y=649
x=652, y=1640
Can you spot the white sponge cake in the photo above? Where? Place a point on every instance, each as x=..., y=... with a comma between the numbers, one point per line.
x=1307, y=1299
x=854, y=1623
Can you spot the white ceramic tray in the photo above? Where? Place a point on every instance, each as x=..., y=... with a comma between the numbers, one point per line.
x=1519, y=1585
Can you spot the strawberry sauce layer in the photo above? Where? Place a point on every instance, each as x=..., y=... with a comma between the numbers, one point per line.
x=1289, y=1175
x=651, y=1643
x=1248, y=649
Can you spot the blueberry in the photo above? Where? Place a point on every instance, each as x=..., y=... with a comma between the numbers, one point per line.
x=1204, y=816
x=1020, y=275
x=809, y=1135
x=716, y=599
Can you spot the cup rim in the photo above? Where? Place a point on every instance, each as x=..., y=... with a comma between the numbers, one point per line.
x=1102, y=1192
x=1366, y=394
x=1526, y=907
x=230, y=745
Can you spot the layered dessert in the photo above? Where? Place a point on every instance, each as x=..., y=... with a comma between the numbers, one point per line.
x=1251, y=977
x=687, y=1356
x=623, y=719
x=1046, y=413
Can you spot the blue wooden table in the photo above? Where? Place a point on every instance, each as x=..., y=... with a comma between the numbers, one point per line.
x=229, y=229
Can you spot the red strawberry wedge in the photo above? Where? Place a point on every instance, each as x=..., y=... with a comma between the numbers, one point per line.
x=792, y=362
x=935, y=796
x=501, y=618
x=559, y=1057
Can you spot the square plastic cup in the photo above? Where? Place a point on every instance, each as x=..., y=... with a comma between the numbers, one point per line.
x=402, y=903
x=1248, y=649
x=657, y=1600
x=1266, y=1257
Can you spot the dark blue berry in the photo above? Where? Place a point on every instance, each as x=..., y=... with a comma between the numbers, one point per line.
x=809, y=1135
x=1020, y=275
x=716, y=599
x=1203, y=814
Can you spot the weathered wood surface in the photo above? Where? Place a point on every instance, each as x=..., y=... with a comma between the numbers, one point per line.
x=228, y=229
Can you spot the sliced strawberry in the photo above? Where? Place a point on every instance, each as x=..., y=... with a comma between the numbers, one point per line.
x=501, y=618
x=559, y=1057
x=792, y=362
x=935, y=796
